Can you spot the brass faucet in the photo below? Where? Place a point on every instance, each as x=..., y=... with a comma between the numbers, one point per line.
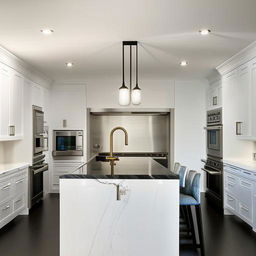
x=112, y=158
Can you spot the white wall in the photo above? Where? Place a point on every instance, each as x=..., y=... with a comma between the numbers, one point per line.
x=155, y=94
x=190, y=118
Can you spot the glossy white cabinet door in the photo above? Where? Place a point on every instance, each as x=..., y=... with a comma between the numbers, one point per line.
x=5, y=79
x=16, y=103
x=242, y=87
x=253, y=73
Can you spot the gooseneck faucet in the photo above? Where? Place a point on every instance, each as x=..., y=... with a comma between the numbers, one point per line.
x=112, y=158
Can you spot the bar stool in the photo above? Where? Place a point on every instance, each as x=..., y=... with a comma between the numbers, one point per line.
x=189, y=197
x=182, y=172
x=176, y=167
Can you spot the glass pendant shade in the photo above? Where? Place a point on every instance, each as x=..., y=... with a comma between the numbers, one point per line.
x=124, y=96
x=136, y=95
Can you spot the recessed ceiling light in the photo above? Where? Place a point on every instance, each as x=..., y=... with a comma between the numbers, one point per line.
x=47, y=31
x=184, y=63
x=69, y=64
x=204, y=32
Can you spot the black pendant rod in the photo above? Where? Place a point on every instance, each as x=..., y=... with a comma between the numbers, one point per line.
x=130, y=68
x=123, y=64
x=137, y=65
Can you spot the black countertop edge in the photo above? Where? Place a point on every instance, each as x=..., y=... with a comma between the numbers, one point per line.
x=125, y=177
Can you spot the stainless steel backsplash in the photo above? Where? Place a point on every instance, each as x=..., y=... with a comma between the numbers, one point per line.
x=147, y=133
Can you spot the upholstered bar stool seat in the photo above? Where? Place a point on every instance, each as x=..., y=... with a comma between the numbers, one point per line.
x=190, y=196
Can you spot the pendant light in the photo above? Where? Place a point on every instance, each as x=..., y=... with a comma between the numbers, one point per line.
x=136, y=91
x=124, y=94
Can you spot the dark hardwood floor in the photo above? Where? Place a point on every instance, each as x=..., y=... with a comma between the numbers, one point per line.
x=38, y=233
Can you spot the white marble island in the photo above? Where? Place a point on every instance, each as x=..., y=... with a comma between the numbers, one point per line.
x=120, y=215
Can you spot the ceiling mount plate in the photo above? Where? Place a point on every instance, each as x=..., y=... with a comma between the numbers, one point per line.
x=130, y=42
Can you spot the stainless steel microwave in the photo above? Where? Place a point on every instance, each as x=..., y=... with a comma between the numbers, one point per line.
x=67, y=143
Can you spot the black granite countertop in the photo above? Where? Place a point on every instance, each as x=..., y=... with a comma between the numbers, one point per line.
x=169, y=176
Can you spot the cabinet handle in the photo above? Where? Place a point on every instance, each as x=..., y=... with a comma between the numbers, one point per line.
x=231, y=185
x=244, y=208
x=231, y=178
x=248, y=185
x=19, y=181
x=247, y=173
x=215, y=101
x=230, y=199
x=238, y=128
x=12, y=130
x=17, y=201
x=6, y=207
x=6, y=186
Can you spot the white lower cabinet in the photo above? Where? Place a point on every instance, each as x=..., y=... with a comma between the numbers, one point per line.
x=13, y=194
x=61, y=168
x=254, y=207
x=240, y=193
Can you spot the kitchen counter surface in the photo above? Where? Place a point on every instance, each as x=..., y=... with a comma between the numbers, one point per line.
x=128, y=177
x=248, y=165
x=5, y=168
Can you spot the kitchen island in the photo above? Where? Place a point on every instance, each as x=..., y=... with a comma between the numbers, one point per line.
x=119, y=215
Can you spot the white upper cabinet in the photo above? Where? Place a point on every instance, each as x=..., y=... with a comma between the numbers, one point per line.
x=253, y=97
x=11, y=104
x=5, y=80
x=242, y=87
x=239, y=88
x=16, y=104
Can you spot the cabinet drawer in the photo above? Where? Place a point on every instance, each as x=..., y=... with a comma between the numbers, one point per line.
x=5, y=190
x=245, y=212
x=6, y=209
x=246, y=192
x=19, y=202
x=231, y=178
x=65, y=168
x=20, y=185
x=231, y=202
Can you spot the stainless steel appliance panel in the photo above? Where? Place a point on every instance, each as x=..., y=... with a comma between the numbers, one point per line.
x=214, y=140
x=67, y=143
x=147, y=133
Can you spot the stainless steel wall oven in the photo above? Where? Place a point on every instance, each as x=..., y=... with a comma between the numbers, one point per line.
x=36, y=188
x=213, y=165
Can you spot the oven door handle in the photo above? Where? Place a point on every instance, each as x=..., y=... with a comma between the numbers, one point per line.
x=211, y=172
x=213, y=128
x=42, y=169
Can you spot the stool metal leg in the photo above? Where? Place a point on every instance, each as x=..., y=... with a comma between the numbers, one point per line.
x=189, y=209
x=200, y=228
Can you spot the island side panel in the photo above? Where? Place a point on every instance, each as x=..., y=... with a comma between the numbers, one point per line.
x=144, y=222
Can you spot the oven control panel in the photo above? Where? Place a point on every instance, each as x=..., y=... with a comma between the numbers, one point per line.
x=214, y=117
x=215, y=164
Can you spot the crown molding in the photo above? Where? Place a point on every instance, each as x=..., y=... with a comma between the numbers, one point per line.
x=12, y=61
x=238, y=59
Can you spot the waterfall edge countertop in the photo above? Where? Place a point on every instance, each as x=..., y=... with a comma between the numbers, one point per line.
x=8, y=168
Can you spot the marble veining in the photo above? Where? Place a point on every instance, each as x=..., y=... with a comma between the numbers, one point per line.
x=144, y=222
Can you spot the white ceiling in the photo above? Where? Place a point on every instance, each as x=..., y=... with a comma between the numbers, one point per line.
x=90, y=32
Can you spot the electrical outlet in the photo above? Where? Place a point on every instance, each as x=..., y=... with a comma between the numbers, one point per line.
x=254, y=156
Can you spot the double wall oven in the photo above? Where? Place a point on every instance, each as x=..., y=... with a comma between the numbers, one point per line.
x=39, y=166
x=213, y=164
